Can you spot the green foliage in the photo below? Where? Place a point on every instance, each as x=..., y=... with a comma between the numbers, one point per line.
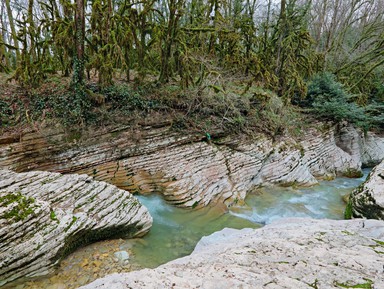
x=5, y=112
x=348, y=214
x=329, y=100
x=53, y=216
x=20, y=206
x=324, y=85
x=366, y=285
x=128, y=99
x=375, y=111
x=197, y=46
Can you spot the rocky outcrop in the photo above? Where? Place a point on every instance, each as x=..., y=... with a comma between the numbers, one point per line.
x=372, y=149
x=367, y=201
x=45, y=216
x=191, y=170
x=291, y=253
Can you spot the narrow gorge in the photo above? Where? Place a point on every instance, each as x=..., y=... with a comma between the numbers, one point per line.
x=68, y=181
x=190, y=170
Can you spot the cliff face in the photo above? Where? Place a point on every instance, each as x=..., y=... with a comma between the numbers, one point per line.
x=291, y=253
x=367, y=201
x=45, y=216
x=190, y=170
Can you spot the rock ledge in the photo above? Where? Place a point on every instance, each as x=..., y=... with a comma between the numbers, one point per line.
x=292, y=253
x=367, y=201
x=45, y=216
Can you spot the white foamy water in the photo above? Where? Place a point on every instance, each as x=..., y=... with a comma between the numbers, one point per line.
x=321, y=201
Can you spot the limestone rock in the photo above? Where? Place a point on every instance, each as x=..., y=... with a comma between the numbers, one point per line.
x=367, y=201
x=372, y=150
x=291, y=253
x=45, y=216
x=189, y=171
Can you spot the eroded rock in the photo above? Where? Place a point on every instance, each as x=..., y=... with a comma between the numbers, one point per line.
x=367, y=201
x=190, y=171
x=291, y=253
x=45, y=216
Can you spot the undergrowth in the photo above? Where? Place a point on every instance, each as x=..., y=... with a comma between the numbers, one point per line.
x=227, y=105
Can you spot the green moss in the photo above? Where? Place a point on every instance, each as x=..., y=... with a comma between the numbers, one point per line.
x=381, y=243
x=20, y=206
x=288, y=184
x=348, y=213
x=195, y=204
x=353, y=173
x=53, y=216
x=302, y=151
x=367, y=285
x=374, y=248
x=74, y=219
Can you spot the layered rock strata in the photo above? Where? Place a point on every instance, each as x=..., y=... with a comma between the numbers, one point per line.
x=45, y=216
x=367, y=201
x=291, y=253
x=189, y=169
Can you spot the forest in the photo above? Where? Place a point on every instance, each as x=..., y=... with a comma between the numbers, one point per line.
x=238, y=64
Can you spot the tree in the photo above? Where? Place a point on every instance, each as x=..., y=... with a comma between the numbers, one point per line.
x=78, y=75
x=13, y=29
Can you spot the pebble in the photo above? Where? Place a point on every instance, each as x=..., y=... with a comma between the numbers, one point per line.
x=121, y=255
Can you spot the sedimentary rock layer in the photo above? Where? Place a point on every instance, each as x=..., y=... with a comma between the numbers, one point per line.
x=292, y=253
x=45, y=216
x=367, y=201
x=189, y=169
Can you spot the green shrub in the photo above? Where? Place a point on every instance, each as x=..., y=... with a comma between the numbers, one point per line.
x=376, y=112
x=329, y=100
x=5, y=112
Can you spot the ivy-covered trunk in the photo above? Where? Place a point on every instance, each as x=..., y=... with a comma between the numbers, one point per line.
x=78, y=75
x=78, y=70
x=13, y=29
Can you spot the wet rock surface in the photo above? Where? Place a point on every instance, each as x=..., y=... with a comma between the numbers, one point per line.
x=290, y=253
x=45, y=216
x=367, y=201
x=84, y=266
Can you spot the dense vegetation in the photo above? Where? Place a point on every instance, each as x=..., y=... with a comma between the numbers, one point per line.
x=233, y=63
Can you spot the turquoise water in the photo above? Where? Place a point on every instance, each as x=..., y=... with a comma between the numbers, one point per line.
x=176, y=231
x=324, y=200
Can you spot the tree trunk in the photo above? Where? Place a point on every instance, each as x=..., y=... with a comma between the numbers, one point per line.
x=281, y=30
x=78, y=77
x=13, y=29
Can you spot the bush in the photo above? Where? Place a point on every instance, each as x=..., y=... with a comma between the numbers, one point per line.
x=329, y=100
x=376, y=112
x=5, y=112
x=126, y=98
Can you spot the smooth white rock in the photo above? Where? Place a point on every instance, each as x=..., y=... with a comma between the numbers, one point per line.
x=290, y=253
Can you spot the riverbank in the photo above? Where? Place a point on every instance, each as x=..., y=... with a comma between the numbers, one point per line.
x=175, y=231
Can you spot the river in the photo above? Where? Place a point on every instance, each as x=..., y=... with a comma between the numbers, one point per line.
x=176, y=231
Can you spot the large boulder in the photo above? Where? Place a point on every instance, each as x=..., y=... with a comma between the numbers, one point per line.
x=292, y=253
x=367, y=201
x=45, y=216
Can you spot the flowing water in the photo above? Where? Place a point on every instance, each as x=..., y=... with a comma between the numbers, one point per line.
x=324, y=200
x=176, y=231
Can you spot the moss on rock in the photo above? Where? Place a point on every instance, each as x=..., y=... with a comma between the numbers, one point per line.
x=19, y=207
